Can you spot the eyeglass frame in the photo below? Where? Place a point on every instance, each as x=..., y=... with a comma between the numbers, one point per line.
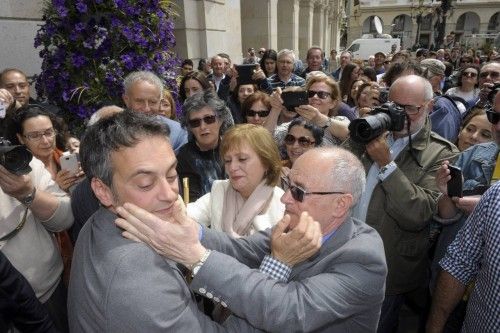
x=412, y=113
x=312, y=93
x=493, y=117
x=295, y=139
x=37, y=135
x=298, y=193
x=260, y=113
x=196, y=122
x=470, y=74
x=492, y=74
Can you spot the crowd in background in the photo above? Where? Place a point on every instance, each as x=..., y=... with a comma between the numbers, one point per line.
x=236, y=140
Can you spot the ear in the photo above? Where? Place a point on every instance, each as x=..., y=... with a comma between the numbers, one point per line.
x=102, y=192
x=430, y=106
x=125, y=100
x=20, y=138
x=343, y=204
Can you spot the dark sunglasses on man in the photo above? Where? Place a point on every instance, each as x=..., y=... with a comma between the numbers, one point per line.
x=492, y=75
x=493, y=117
x=298, y=193
x=196, y=122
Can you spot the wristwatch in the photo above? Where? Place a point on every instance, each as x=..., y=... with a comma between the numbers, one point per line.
x=28, y=200
x=196, y=267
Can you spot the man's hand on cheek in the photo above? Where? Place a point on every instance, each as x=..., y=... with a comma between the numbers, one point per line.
x=176, y=239
x=298, y=244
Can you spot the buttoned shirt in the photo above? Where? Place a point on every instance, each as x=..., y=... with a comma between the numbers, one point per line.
x=294, y=81
x=475, y=254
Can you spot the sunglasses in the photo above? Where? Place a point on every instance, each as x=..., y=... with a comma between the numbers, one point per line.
x=304, y=141
x=260, y=113
x=469, y=74
x=493, y=117
x=493, y=75
x=320, y=94
x=298, y=193
x=197, y=121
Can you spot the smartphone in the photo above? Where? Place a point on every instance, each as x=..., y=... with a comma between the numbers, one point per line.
x=69, y=162
x=455, y=184
x=245, y=73
x=292, y=99
x=3, y=109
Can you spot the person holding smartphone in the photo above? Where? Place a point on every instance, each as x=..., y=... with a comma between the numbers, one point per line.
x=323, y=97
x=477, y=164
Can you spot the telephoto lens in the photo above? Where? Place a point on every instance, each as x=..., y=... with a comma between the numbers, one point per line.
x=15, y=158
x=386, y=117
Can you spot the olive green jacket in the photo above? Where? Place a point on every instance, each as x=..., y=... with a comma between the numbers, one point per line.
x=402, y=205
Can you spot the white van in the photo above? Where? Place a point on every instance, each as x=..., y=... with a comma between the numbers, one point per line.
x=363, y=48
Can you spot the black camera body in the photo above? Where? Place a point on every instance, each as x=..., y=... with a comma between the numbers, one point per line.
x=386, y=117
x=15, y=158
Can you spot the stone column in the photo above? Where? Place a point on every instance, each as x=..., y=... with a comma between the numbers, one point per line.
x=288, y=24
x=272, y=14
x=305, y=26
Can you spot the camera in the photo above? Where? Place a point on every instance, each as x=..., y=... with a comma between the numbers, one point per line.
x=386, y=117
x=383, y=96
x=15, y=158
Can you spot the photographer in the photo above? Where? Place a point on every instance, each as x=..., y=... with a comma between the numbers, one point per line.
x=401, y=195
x=31, y=207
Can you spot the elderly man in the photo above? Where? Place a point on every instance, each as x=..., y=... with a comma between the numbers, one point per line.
x=315, y=58
x=32, y=207
x=117, y=285
x=339, y=289
x=474, y=252
x=401, y=195
x=142, y=93
x=345, y=58
x=489, y=75
x=284, y=76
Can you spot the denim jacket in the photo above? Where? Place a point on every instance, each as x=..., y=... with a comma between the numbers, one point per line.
x=477, y=164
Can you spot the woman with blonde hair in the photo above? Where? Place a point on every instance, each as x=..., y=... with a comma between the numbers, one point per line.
x=249, y=200
x=167, y=105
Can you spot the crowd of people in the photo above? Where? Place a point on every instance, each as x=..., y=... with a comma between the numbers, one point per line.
x=311, y=196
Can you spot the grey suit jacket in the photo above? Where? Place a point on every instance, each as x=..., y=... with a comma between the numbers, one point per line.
x=340, y=289
x=121, y=286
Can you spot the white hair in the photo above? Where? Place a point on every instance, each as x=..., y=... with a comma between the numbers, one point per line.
x=140, y=76
x=286, y=52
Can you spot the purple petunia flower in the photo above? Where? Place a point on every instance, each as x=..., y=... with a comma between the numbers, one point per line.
x=81, y=7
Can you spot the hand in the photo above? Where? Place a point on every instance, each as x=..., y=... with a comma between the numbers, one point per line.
x=16, y=186
x=467, y=204
x=379, y=150
x=258, y=74
x=276, y=100
x=65, y=179
x=6, y=98
x=176, y=238
x=234, y=78
x=442, y=178
x=310, y=113
x=296, y=245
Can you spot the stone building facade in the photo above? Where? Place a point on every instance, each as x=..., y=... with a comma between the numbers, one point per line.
x=473, y=21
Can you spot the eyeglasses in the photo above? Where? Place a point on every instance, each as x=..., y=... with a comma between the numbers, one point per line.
x=260, y=113
x=193, y=123
x=320, y=94
x=303, y=141
x=410, y=109
x=35, y=136
x=493, y=117
x=298, y=193
x=387, y=62
x=493, y=75
x=469, y=74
